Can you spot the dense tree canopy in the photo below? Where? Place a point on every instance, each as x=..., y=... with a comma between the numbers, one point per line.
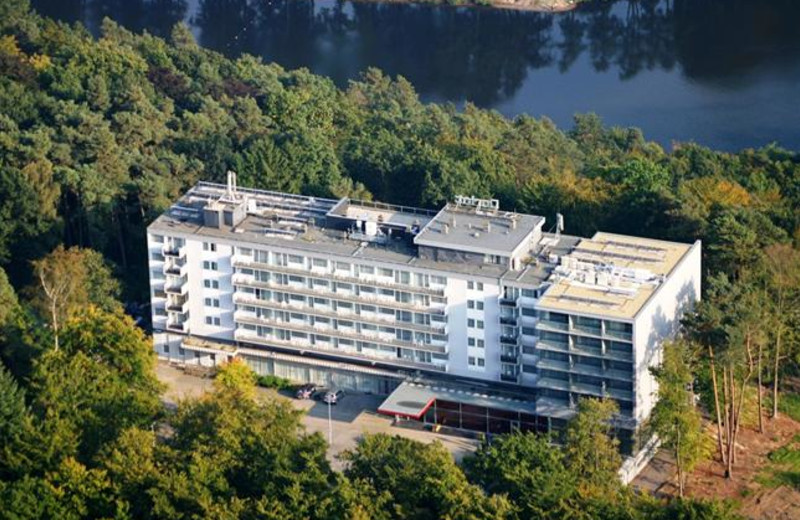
x=98, y=136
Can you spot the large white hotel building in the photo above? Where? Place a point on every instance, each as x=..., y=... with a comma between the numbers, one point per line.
x=471, y=316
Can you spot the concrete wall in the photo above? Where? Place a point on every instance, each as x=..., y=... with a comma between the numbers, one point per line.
x=659, y=320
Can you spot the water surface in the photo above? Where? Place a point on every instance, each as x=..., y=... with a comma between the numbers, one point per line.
x=724, y=73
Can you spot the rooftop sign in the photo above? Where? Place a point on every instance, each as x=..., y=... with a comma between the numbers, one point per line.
x=474, y=202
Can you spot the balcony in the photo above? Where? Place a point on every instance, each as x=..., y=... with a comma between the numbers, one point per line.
x=507, y=302
x=508, y=340
x=509, y=378
x=508, y=320
x=180, y=305
x=559, y=326
x=173, y=268
x=619, y=334
x=173, y=251
x=511, y=358
x=159, y=294
x=176, y=327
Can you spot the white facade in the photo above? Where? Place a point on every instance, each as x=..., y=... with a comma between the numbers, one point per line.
x=343, y=286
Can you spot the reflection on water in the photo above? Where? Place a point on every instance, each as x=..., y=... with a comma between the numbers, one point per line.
x=722, y=72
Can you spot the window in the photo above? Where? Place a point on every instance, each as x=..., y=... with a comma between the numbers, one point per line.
x=479, y=305
x=166, y=349
x=471, y=361
x=438, y=280
x=479, y=286
x=470, y=285
x=212, y=266
x=481, y=362
x=212, y=302
x=471, y=323
x=209, y=246
x=212, y=320
x=480, y=343
x=342, y=266
x=385, y=272
x=470, y=304
x=211, y=284
x=296, y=259
x=366, y=269
x=319, y=262
x=480, y=324
x=471, y=342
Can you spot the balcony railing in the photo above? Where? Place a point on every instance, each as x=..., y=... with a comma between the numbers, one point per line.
x=508, y=320
x=508, y=302
x=555, y=325
x=174, y=252
x=508, y=358
x=509, y=378
x=178, y=327
x=508, y=340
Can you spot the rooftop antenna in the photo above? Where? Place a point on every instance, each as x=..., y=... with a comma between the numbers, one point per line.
x=559, y=224
x=231, y=191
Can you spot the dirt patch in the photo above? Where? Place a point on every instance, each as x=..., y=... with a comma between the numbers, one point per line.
x=756, y=500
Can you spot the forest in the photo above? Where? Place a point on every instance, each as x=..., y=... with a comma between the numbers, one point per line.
x=99, y=135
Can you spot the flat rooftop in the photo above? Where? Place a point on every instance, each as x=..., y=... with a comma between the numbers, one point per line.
x=481, y=231
x=611, y=275
x=299, y=222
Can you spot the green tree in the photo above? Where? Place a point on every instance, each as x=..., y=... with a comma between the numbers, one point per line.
x=531, y=471
x=67, y=280
x=591, y=450
x=675, y=418
x=421, y=479
x=100, y=381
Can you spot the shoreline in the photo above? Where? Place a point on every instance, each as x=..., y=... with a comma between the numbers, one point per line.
x=541, y=6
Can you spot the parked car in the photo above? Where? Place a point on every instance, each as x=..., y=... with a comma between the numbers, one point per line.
x=306, y=391
x=333, y=396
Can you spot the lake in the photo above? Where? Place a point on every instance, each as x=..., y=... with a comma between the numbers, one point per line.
x=723, y=73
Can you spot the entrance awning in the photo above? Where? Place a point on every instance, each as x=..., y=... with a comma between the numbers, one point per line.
x=408, y=400
x=412, y=400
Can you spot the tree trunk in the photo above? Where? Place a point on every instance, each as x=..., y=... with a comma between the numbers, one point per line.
x=716, y=404
x=54, y=313
x=760, y=391
x=730, y=422
x=679, y=464
x=775, y=375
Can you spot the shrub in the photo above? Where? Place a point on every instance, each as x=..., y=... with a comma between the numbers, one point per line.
x=270, y=381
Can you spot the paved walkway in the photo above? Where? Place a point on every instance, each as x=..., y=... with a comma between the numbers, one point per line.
x=353, y=416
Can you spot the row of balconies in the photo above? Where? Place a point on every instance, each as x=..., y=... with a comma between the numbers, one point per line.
x=439, y=347
x=371, y=318
x=584, y=388
x=250, y=263
x=583, y=350
x=249, y=281
x=572, y=328
x=300, y=345
x=577, y=368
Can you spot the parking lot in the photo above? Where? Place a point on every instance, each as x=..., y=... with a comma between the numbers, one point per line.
x=355, y=415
